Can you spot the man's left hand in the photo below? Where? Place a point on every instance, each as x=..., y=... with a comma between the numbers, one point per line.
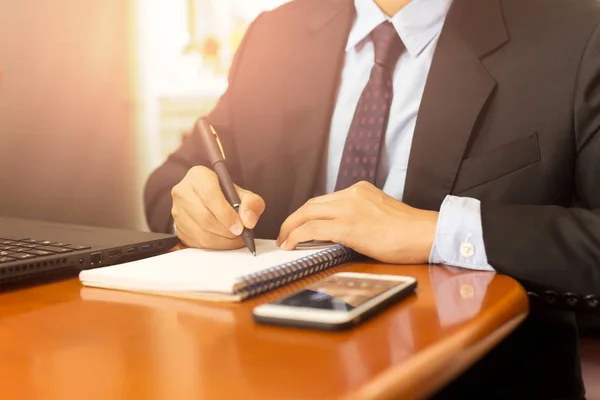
x=367, y=220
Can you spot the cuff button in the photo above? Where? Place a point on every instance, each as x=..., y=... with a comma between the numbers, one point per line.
x=467, y=249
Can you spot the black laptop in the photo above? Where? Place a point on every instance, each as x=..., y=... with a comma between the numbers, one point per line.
x=34, y=250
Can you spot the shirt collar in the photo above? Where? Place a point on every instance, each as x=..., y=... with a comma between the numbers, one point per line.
x=417, y=23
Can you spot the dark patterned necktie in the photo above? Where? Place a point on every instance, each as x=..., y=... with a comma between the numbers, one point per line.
x=360, y=158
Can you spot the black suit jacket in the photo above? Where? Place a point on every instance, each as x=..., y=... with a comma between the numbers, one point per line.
x=509, y=115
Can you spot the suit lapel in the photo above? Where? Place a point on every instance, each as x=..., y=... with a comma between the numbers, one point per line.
x=457, y=89
x=310, y=95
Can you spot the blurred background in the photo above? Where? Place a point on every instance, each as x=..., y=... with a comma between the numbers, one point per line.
x=95, y=94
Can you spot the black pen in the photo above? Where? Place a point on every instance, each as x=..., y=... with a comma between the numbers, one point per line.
x=216, y=157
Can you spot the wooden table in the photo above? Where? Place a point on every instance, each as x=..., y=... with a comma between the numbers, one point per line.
x=63, y=341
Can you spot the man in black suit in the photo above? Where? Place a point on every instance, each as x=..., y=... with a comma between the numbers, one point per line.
x=496, y=167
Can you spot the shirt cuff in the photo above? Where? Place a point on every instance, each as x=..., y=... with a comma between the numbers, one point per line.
x=459, y=235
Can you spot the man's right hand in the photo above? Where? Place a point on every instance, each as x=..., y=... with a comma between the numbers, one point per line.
x=205, y=219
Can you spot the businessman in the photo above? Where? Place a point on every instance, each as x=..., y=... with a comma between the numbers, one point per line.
x=452, y=132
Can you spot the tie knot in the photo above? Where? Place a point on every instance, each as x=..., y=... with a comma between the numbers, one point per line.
x=388, y=45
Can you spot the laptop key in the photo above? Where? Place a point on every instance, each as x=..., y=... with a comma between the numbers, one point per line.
x=6, y=253
x=59, y=244
x=4, y=248
x=31, y=241
x=54, y=249
x=6, y=259
x=26, y=245
x=22, y=256
x=13, y=238
x=37, y=252
x=78, y=247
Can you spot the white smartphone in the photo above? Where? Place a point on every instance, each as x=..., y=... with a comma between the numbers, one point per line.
x=337, y=302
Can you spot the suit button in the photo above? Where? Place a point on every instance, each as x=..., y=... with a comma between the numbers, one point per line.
x=550, y=297
x=571, y=299
x=591, y=301
x=534, y=298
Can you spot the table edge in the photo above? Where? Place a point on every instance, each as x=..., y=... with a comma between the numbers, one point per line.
x=399, y=382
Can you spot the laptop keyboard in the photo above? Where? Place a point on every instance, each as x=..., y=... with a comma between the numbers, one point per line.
x=15, y=249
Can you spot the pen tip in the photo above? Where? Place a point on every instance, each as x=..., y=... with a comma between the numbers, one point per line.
x=254, y=253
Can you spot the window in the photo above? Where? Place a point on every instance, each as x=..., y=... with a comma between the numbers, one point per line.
x=185, y=50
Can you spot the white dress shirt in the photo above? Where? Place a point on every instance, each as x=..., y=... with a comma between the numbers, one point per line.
x=459, y=237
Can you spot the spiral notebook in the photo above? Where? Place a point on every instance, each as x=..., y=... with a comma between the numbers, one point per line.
x=217, y=275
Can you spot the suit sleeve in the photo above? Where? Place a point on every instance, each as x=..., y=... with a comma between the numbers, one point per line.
x=157, y=192
x=552, y=250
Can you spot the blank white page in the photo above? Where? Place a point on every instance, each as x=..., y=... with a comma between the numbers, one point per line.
x=192, y=270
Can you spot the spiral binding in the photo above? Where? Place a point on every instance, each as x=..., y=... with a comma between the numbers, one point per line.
x=272, y=278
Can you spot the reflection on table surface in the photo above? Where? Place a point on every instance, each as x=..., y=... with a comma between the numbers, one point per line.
x=459, y=293
x=65, y=341
x=341, y=292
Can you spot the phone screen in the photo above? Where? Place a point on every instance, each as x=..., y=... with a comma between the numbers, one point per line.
x=338, y=293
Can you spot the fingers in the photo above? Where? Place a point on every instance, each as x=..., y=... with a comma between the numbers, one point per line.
x=251, y=208
x=203, y=216
x=206, y=186
x=197, y=227
x=326, y=230
x=316, y=209
x=337, y=205
x=193, y=235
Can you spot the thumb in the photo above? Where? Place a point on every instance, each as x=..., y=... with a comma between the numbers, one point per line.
x=251, y=208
